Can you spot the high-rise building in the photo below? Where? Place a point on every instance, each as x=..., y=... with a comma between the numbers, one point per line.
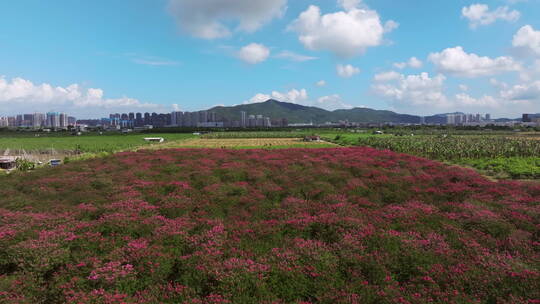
x=4, y=122
x=147, y=119
x=63, y=117
x=38, y=120
x=243, y=119
x=488, y=117
x=186, y=121
x=139, y=122
x=19, y=120
x=53, y=120
x=203, y=116
x=451, y=119
x=212, y=117
x=177, y=119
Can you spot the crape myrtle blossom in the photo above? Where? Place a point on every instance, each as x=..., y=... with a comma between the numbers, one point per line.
x=339, y=225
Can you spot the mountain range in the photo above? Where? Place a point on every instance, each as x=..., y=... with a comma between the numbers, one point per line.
x=295, y=113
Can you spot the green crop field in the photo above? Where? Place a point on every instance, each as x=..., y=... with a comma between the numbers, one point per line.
x=501, y=155
x=86, y=144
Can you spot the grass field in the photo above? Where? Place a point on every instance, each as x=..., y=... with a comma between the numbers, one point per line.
x=245, y=143
x=85, y=143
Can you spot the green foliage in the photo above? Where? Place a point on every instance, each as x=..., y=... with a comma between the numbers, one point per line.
x=82, y=144
x=455, y=147
x=515, y=167
x=25, y=165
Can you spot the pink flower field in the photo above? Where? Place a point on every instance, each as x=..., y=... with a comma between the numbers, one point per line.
x=339, y=225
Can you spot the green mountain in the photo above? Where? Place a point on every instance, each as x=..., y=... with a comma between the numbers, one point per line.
x=295, y=113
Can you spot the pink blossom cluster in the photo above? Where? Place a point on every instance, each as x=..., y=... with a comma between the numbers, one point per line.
x=340, y=225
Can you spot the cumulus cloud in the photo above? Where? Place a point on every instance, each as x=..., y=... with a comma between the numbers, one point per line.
x=531, y=72
x=455, y=61
x=479, y=14
x=486, y=101
x=294, y=56
x=527, y=39
x=414, y=90
x=345, y=33
x=292, y=96
x=526, y=92
x=321, y=83
x=349, y=4
x=254, y=53
x=413, y=62
x=23, y=96
x=387, y=76
x=390, y=26
x=419, y=93
x=210, y=19
x=332, y=102
x=347, y=71
x=301, y=97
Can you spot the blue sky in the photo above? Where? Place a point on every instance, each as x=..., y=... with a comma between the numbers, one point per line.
x=90, y=58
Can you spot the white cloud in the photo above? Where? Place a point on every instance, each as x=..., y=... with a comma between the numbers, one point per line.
x=486, y=101
x=413, y=62
x=422, y=93
x=347, y=71
x=455, y=61
x=387, y=76
x=531, y=72
x=463, y=87
x=332, y=102
x=254, y=53
x=390, y=25
x=345, y=33
x=301, y=97
x=412, y=90
x=292, y=96
x=321, y=83
x=210, y=19
x=20, y=95
x=526, y=92
x=498, y=84
x=294, y=56
x=528, y=39
x=479, y=14
x=349, y=4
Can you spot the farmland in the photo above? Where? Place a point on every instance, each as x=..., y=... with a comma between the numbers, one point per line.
x=92, y=143
x=338, y=225
x=504, y=156
x=245, y=143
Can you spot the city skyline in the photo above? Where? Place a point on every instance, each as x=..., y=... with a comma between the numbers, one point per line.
x=415, y=57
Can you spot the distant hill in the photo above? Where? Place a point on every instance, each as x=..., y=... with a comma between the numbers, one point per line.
x=295, y=113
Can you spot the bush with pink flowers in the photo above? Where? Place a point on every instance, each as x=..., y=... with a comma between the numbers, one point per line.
x=344, y=225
